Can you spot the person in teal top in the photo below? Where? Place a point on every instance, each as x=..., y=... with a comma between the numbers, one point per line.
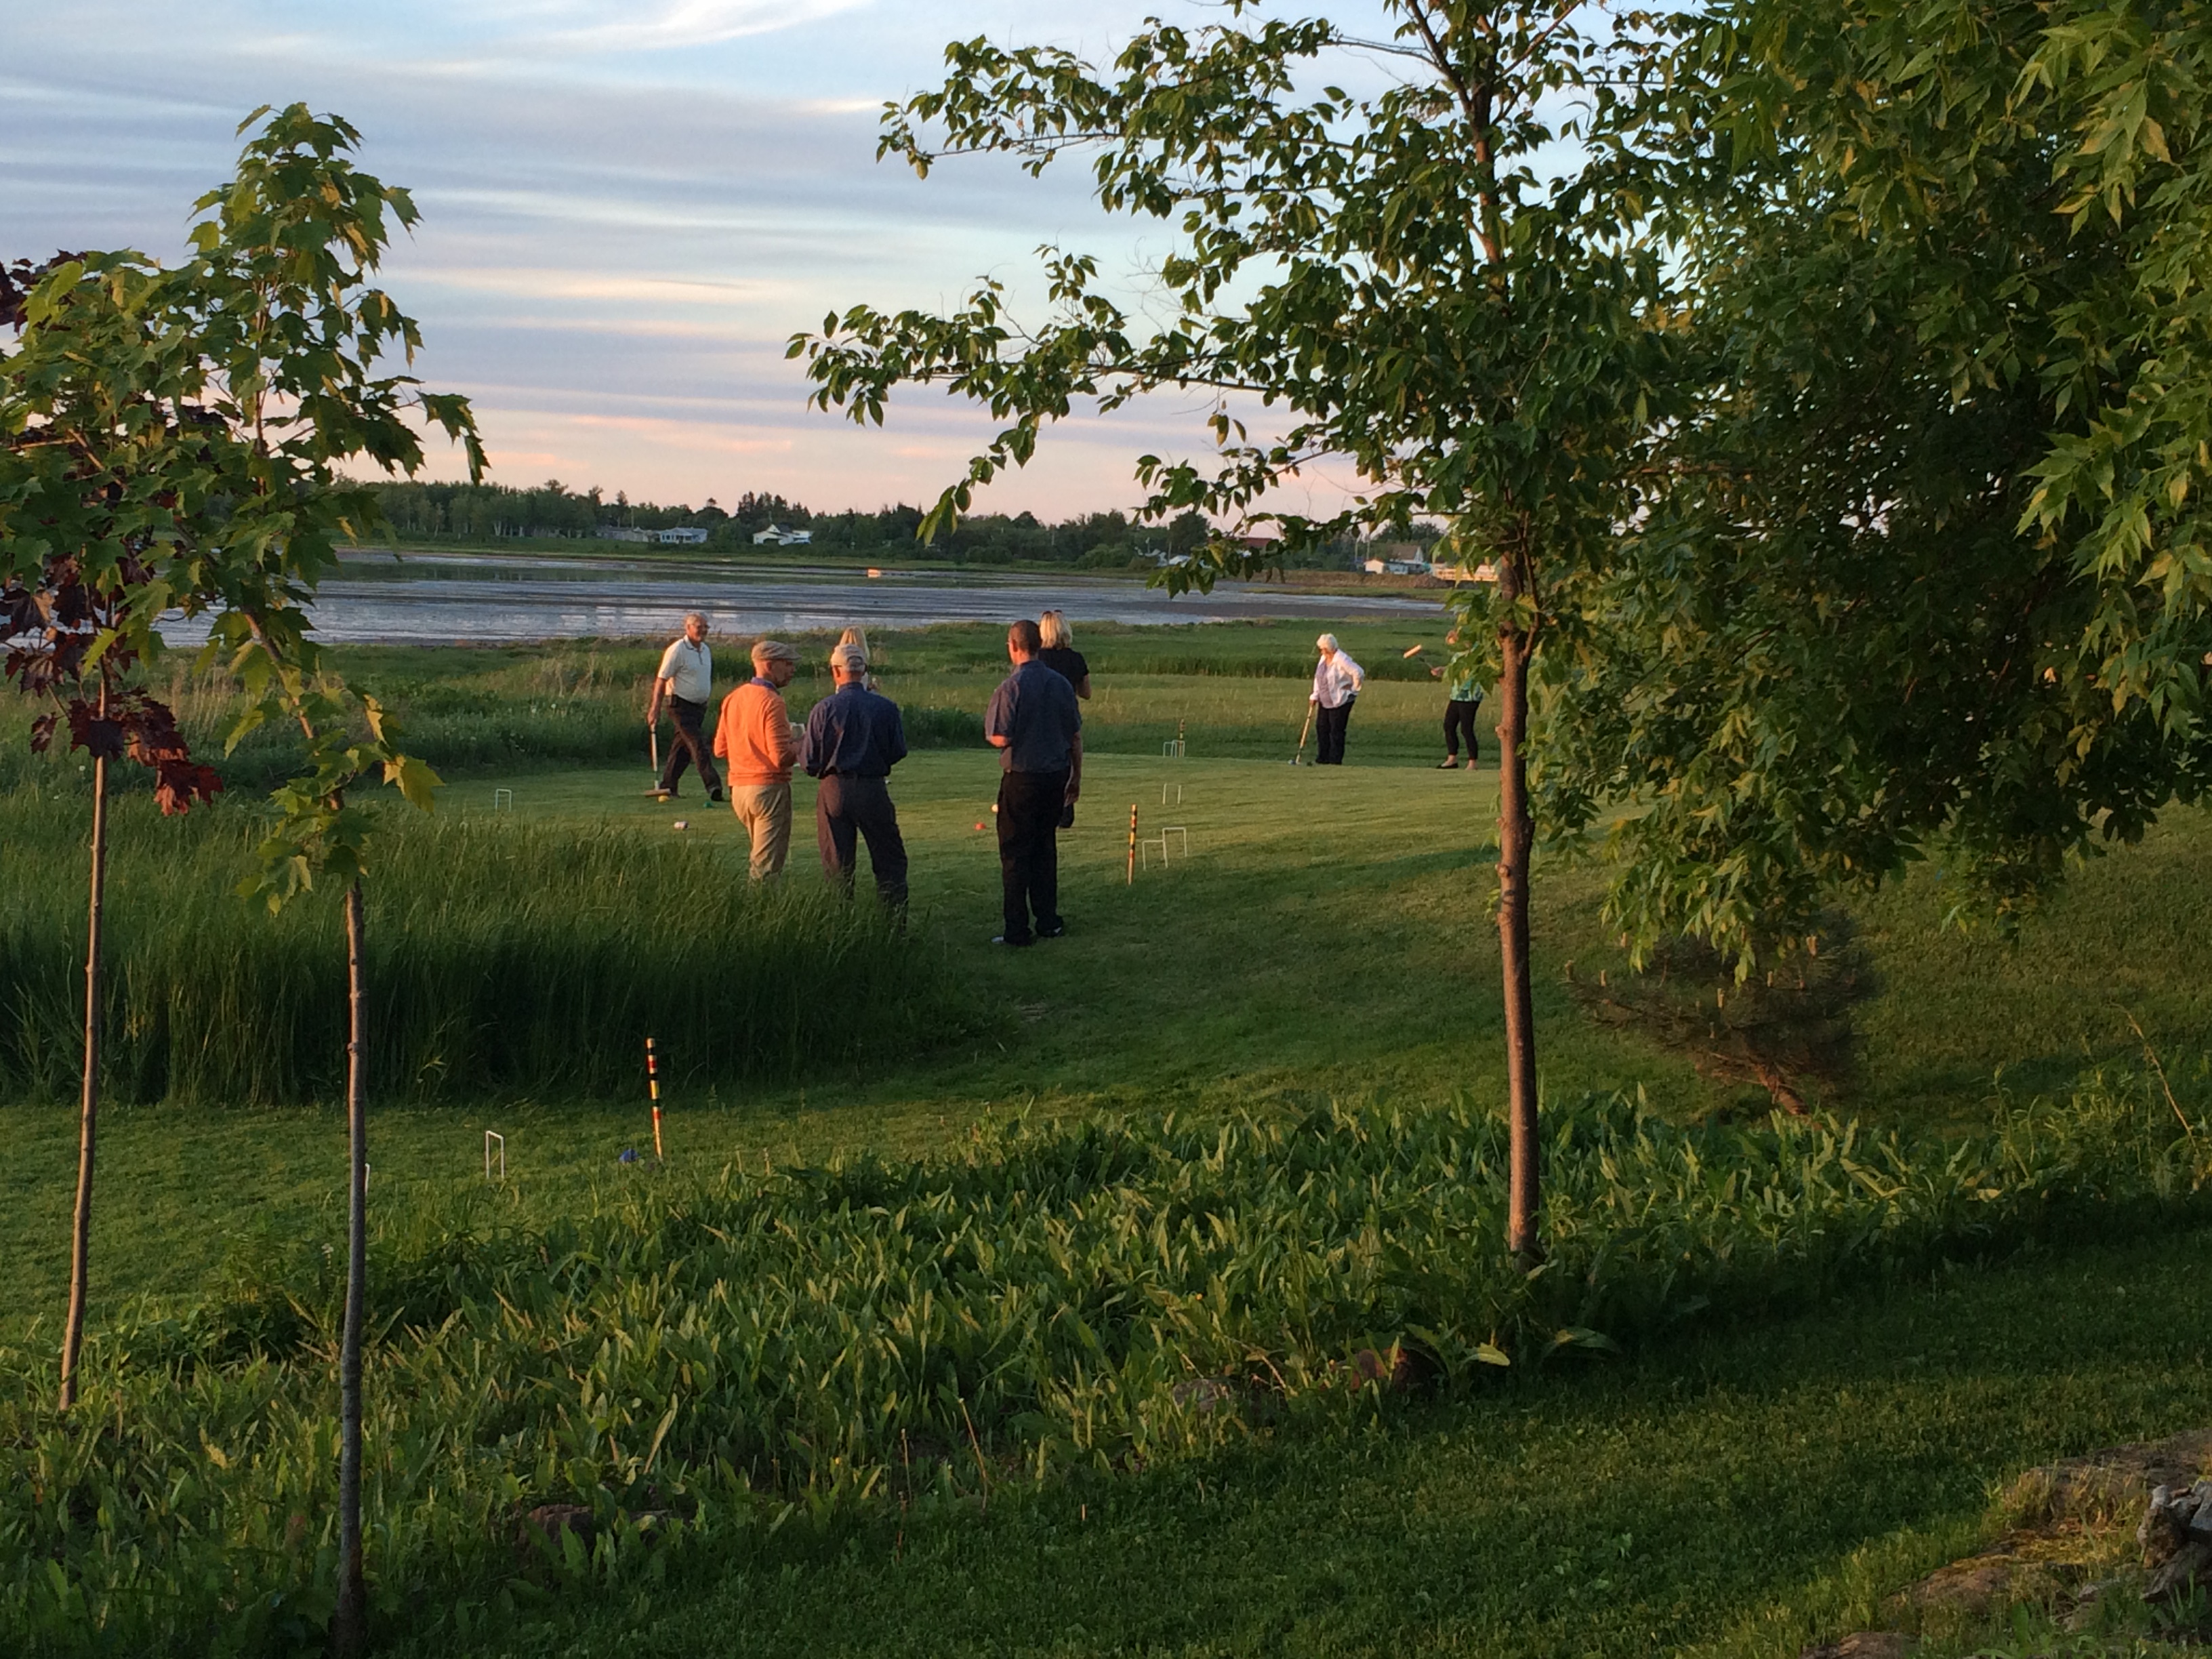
x=1463, y=697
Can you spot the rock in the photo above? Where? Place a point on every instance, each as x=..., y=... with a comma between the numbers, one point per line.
x=1204, y=1394
x=1971, y=1586
x=549, y=1521
x=2105, y=1482
x=2200, y=1520
x=2161, y=1531
x=2189, y=1565
x=1391, y=1372
x=2083, y=1613
x=1862, y=1644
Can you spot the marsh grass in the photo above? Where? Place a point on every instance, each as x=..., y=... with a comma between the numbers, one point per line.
x=1231, y=689
x=513, y=958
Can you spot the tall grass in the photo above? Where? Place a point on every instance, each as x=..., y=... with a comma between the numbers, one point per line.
x=463, y=709
x=510, y=959
x=702, y=1361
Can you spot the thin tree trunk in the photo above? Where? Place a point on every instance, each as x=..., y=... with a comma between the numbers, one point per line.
x=349, y=1628
x=88, y=1114
x=1515, y=837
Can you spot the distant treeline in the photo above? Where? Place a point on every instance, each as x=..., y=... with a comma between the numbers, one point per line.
x=484, y=514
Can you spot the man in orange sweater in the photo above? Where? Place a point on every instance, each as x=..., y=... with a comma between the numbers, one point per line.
x=754, y=735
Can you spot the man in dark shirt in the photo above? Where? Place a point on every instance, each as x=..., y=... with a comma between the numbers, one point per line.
x=1034, y=725
x=853, y=738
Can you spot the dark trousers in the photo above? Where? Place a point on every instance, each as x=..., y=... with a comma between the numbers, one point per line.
x=849, y=809
x=1329, y=732
x=1029, y=849
x=1460, y=717
x=689, y=745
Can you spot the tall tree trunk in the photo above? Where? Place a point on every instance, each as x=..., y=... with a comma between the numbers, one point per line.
x=88, y=1109
x=349, y=1628
x=1515, y=836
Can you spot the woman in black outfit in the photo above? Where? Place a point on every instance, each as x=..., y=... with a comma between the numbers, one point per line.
x=1061, y=655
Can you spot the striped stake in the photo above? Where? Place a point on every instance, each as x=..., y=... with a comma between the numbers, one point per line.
x=652, y=1083
x=1132, y=844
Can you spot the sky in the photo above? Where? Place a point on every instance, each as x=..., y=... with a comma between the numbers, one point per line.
x=629, y=206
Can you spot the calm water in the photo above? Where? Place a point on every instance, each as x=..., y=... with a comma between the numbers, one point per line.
x=460, y=598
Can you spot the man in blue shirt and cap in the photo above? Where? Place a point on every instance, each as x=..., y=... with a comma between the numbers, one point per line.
x=854, y=737
x=1036, y=726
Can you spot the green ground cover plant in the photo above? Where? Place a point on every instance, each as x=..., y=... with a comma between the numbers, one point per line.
x=1733, y=1494
x=727, y=1356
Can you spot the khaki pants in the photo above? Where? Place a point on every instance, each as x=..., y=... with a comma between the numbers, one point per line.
x=765, y=811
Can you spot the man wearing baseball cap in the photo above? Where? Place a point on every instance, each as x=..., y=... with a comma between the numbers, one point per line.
x=754, y=735
x=854, y=737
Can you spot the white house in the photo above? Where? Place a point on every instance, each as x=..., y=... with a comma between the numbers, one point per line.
x=773, y=537
x=681, y=537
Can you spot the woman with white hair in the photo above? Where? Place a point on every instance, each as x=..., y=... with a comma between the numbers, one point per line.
x=1337, y=682
x=1060, y=653
x=856, y=636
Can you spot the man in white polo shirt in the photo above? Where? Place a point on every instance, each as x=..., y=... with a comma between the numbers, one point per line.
x=686, y=679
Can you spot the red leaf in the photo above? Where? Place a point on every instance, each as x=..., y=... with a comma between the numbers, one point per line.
x=151, y=727
x=42, y=733
x=178, y=783
x=101, y=738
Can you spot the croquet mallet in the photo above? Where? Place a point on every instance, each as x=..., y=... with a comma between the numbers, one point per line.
x=1298, y=758
x=653, y=745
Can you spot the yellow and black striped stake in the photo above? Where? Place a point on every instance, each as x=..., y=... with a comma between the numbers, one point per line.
x=1132, y=844
x=652, y=1084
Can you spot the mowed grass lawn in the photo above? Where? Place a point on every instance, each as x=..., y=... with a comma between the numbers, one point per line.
x=1328, y=934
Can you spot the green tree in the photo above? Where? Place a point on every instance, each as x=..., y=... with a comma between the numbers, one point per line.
x=1389, y=274
x=268, y=378
x=1925, y=569
x=95, y=461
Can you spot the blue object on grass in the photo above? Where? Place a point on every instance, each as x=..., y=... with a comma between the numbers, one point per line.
x=628, y=1155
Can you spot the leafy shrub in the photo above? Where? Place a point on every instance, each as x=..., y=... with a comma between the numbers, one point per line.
x=704, y=1361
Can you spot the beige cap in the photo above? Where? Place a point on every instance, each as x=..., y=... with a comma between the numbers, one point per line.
x=767, y=651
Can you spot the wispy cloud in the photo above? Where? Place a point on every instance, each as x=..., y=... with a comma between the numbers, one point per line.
x=628, y=209
x=688, y=23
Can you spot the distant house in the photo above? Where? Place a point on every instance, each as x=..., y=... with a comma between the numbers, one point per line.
x=621, y=532
x=774, y=536
x=678, y=538
x=1393, y=559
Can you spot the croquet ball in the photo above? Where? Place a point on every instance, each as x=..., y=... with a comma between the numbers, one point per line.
x=979, y=826
x=683, y=824
x=628, y=1156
